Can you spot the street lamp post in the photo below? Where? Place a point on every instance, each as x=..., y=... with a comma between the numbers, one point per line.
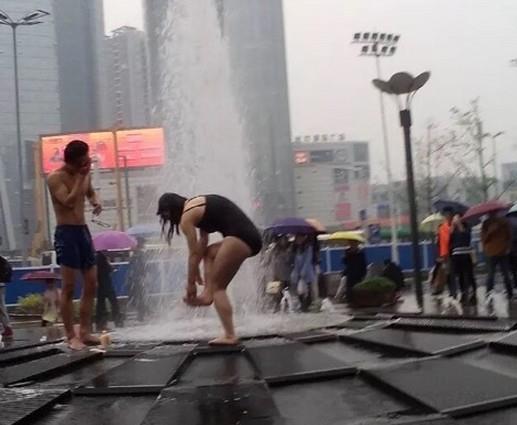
x=375, y=44
x=399, y=84
x=29, y=19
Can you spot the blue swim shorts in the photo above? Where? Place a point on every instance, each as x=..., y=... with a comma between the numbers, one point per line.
x=74, y=247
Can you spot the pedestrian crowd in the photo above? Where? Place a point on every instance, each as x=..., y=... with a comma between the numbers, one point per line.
x=456, y=260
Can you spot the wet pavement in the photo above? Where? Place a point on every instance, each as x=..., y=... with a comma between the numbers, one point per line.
x=378, y=367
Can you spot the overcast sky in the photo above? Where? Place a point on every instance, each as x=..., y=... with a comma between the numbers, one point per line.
x=466, y=44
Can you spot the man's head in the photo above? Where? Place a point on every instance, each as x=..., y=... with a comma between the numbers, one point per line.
x=77, y=154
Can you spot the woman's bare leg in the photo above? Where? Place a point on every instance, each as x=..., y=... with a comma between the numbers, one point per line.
x=230, y=256
x=206, y=297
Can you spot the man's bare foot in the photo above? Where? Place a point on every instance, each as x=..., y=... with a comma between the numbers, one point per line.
x=224, y=340
x=75, y=344
x=203, y=300
x=90, y=340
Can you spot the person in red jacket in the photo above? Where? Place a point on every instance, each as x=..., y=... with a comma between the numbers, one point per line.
x=444, y=249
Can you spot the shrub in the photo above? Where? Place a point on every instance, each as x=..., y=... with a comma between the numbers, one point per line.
x=376, y=284
x=31, y=304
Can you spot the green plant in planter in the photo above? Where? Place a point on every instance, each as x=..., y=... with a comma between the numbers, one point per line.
x=373, y=292
x=376, y=284
x=31, y=304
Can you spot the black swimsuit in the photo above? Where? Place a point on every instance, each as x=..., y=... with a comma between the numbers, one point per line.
x=223, y=216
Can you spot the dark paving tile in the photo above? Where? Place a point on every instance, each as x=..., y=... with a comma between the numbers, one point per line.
x=455, y=326
x=22, y=345
x=446, y=316
x=294, y=361
x=128, y=350
x=81, y=374
x=495, y=361
x=496, y=417
x=206, y=348
x=215, y=405
x=108, y=410
x=149, y=372
x=265, y=342
x=35, y=369
x=448, y=386
x=354, y=354
x=217, y=369
x=17, y=405
x=419, y=420
x=312, y=336
x=416, y=343
x=28, y=354
x=506, y=344
x=338, y=401
x=31, y=337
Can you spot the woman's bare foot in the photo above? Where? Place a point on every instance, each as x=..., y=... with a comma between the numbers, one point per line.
x=75, y=344
x=203, y=300
x=224, y=340
x=89, y=339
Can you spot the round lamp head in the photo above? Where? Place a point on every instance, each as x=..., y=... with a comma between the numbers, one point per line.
x=401, y=83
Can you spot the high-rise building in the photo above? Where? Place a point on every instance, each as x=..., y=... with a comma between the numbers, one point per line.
x=254, y=33
x=79, y=29
x=127, y=78
x=332, y=180
x=39, y=102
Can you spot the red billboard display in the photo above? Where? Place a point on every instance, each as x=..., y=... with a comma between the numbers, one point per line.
x=143, y=147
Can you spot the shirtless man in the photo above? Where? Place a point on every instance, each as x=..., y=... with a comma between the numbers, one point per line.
x=69, y=186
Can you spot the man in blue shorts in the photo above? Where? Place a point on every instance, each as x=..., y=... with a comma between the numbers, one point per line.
x=70, y=186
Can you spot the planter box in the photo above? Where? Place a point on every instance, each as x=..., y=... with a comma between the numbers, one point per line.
x=372, y=298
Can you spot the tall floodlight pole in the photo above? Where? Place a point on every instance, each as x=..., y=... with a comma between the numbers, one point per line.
x=377, y=45
x=405, y=85
x=32, y=18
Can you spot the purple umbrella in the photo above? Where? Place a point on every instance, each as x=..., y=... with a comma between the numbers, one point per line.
x=291, y=225
x=113, y=240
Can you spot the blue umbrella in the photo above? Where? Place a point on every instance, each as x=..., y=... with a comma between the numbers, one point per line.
x=457, y=207
x=291, y=225
x=145, y=230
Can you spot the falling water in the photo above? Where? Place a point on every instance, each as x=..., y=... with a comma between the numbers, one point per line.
x=208, y=153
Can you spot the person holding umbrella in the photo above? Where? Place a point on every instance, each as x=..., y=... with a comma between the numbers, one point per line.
x=496, y=237
x=303, y=275
x=462, y=267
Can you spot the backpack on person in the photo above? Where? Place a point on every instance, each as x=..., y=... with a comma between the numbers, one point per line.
x=6, y=271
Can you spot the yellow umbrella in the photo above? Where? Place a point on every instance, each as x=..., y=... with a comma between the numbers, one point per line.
x=432, y=222
x=344, y=236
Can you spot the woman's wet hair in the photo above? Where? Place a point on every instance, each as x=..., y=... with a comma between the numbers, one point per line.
x=170, y=210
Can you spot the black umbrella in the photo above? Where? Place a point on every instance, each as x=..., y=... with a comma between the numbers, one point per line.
x=457, y=207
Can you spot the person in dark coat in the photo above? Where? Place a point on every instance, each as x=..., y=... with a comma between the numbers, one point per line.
x=355, y=265
x=393, y=272
x=105, y=292
x=461, y=259
x=135, y=281
x=512, y=218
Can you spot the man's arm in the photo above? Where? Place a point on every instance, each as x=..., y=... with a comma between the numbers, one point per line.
x=61, y=193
